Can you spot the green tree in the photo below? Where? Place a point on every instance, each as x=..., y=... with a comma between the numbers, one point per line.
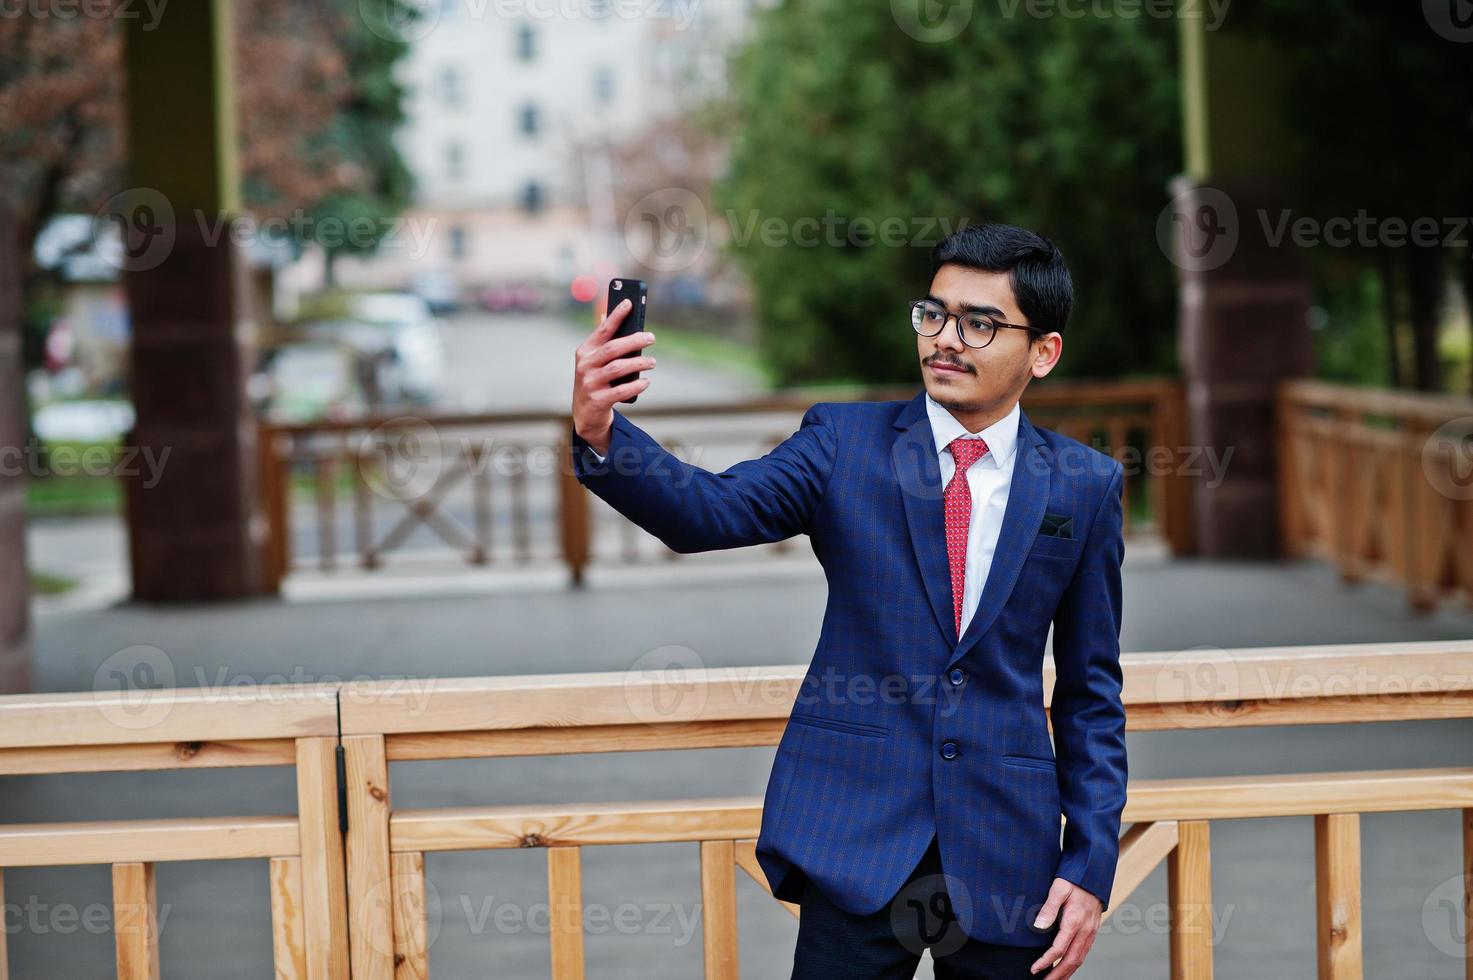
x=376, y=182
x=1069, y=126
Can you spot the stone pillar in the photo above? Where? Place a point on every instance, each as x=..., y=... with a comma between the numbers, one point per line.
x=1244, y=294
x=196, y=533
x=15, y=581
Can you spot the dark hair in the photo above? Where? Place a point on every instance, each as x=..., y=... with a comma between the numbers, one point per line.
x=1035, y=267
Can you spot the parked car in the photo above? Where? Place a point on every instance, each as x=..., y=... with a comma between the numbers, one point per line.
x=517, y=297
x=438, y=288
x=306, y=382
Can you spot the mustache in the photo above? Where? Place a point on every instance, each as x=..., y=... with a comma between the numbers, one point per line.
x=933, y=359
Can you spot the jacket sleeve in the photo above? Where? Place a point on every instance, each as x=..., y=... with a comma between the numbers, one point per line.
x=1087, y=711
x=692, y=509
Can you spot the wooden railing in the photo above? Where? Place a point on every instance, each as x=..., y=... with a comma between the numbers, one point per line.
x=358, y=897
x=450, y=475
x=1381, y=484
x=141, y=730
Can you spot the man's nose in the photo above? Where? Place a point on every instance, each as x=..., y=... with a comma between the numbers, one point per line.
x=950, y=338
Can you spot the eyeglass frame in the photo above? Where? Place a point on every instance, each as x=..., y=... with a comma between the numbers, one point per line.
x=948, y=316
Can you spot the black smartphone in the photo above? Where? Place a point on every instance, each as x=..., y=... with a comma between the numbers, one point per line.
x=634, y=291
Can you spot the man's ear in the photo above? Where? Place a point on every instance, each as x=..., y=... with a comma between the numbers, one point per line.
x=1045, y=352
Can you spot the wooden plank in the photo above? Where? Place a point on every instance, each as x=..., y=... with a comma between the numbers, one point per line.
x=745, y=852
x=574, y=824
x=288, y=945
x=1330, y=710
x=147, y=756
x=371, y=887
x=718, y=910
x=324, y=878
x=565, y=912
x=411, y=918
x=168, y=715
x=1299, y=794
x=570, y=700
x=135, y=921
x=1189, y=896
x=1337, y=896
x=1142, y=848
x=140, y=841
x=737, y=733
x=557, y=701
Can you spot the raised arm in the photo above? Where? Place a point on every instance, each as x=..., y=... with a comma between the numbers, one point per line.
x=686, y=507
x=693, y=509
x=1088, y=714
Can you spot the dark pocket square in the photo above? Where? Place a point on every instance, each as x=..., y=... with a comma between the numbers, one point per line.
x=1057, y=526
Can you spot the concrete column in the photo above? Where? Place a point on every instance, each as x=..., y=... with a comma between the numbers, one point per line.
x=15, y=582
x=1244, y=295
x=196, y=534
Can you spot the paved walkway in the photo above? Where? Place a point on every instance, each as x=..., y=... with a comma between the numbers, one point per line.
x=731, y=610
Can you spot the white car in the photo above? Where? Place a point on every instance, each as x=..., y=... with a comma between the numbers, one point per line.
x=412, y=338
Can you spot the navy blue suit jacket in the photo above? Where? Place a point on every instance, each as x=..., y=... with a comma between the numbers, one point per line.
x=901, y=729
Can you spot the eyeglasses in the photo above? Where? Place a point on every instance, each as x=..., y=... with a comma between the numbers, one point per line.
x=975, y=329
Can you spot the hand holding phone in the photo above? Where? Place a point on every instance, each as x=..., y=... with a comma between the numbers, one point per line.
x=603, y=362
x=634, y=291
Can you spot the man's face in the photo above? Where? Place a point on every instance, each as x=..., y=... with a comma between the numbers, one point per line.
x=991, y=376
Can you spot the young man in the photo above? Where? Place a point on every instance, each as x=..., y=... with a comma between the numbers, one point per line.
x=915, y=797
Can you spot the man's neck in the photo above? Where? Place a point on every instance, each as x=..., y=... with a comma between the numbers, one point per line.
x=979, y=419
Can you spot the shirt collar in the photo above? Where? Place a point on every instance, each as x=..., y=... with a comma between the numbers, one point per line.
x=1001, y=436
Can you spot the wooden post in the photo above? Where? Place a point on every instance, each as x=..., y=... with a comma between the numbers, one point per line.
x=135, y=921
x=289, y=951
x=565, y=912
x=1337, y=895
x=1189, y=894
x=1467, y=893
x=411, y=943
x=718, y=909
x=4, y=957
x=324, y=882
x=371, y=886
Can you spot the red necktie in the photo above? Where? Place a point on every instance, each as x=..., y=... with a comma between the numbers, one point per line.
x=958, y=500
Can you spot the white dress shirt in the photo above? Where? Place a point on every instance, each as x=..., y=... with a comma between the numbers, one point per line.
x=989, y=480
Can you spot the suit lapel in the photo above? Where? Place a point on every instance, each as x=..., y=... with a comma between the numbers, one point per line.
x=1027, y=500
x=917, y=471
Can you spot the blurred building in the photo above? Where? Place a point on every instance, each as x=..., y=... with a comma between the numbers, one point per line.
x=514, y=127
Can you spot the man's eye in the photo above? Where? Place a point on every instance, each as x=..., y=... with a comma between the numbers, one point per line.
x=933, y=315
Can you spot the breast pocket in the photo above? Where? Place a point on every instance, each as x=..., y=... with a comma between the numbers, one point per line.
x=1048, y=546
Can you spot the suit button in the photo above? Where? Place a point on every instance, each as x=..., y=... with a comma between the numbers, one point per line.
x=948, y=750
x=957, y=676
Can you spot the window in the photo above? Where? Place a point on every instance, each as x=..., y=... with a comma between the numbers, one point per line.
x=527, y=120
x=526, y=43
x=603, y=84
x=457, y=242
x=534, y=198
x=454, y=161
x=452, y=92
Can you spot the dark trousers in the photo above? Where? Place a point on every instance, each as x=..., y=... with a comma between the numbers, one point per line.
x=886, y=945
